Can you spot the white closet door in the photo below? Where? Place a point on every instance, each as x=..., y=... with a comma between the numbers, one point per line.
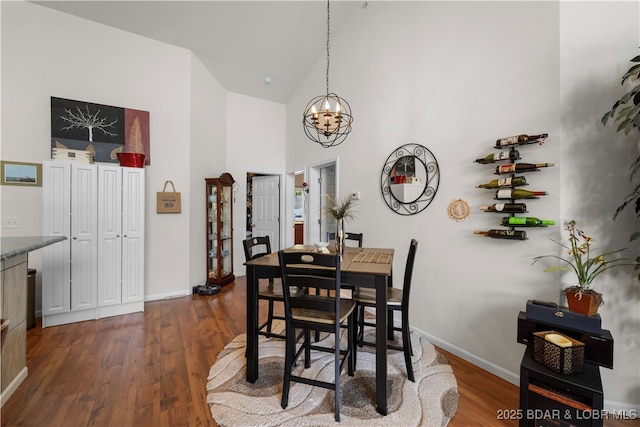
x=109, y=235
x=84, y=219
x=133, y=190
x=56, y=273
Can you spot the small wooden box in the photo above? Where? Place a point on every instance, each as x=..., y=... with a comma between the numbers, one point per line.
x=563, y=360
x=81, y=156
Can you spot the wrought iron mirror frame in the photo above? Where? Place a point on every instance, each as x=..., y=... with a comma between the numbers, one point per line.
x=428, y=160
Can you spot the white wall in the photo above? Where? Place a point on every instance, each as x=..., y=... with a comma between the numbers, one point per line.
x=47, y=53
x=256, y=143
x=455, y=77
x=207, y=158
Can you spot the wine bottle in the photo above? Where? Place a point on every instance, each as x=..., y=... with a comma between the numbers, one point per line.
x=520, y=167
x=526, y=221
x=517, y=193
x=505, y=207
x=505, y=182
x=511, y=155
x=504, y=234
x=520, y=140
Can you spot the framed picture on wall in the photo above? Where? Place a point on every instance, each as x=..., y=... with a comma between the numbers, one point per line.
x=102, y=130
x=21, y=173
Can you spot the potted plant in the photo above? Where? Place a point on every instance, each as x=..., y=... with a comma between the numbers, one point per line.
x=341, y=210
x=581, y=298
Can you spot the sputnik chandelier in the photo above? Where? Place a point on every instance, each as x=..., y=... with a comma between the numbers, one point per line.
x=327, y=118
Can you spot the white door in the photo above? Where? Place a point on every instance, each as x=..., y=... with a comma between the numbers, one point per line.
x=266, y=208
x=133, y=234
x=109, y=234
x=84, y=228
x=56, y=271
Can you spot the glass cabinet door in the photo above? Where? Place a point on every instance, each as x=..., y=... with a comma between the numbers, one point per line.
x=212, y=227
x=220, y=230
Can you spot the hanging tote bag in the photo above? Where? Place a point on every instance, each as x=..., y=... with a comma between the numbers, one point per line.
x=169, y=201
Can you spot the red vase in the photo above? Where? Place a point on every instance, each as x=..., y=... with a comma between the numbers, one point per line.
x=585, y=302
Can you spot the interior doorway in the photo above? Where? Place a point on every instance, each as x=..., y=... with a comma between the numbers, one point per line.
x=299, y=207
x=323, y=182
x=263, y=207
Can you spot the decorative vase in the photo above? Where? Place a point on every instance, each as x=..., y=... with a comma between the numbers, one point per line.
x=340, y=236
x=585, y=302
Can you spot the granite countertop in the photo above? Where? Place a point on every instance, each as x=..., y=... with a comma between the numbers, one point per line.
x=12, y=246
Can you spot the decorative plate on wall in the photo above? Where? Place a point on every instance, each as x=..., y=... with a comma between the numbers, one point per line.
x=459, y=209
x=410, y=179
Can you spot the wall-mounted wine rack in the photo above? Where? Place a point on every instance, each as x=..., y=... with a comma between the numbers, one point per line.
x=507, y=194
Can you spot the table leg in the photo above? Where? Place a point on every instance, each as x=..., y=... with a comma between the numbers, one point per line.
x=381, y=345
x=252, y=322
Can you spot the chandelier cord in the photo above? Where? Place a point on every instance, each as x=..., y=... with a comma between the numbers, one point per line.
x=328, y=34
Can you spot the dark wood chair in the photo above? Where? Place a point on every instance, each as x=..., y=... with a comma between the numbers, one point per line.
x=256, y=247
x=315, y=313
x=357, y=237
x=397, y=300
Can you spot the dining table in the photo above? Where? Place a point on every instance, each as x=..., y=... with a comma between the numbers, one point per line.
x=364, y=267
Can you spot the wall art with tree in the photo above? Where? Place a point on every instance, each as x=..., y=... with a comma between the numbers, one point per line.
x=100, y=129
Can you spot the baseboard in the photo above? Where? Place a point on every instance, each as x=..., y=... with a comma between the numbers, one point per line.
x=6, y=394
x=168, y=295
x=496, y=370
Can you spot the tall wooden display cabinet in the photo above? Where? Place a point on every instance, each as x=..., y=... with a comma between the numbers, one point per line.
x=220, y=230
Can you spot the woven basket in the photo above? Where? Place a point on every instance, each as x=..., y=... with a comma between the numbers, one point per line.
x=563, y=360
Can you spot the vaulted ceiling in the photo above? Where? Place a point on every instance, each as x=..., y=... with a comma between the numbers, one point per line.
x=242, y=43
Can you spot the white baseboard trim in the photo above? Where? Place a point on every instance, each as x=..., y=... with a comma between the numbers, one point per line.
x=168, y=295
x=13, y=386
x=496, y=370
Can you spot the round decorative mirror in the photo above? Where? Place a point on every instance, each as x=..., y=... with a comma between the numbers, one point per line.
x=410, y=179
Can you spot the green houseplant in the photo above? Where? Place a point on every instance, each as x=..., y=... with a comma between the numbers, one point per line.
x=581, y=297
x=342, y=210
x=626, y=112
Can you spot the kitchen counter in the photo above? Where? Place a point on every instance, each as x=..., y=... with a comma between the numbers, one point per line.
x=14, y=256
x=12, y=246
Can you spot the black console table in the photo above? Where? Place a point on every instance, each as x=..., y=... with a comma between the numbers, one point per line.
x=551, y=399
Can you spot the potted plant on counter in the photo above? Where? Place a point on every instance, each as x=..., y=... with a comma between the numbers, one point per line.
x=581, y=298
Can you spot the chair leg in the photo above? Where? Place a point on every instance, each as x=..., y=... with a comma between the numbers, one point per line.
x=336, y=370
x=307, y=348
x=351, y=344
x=406, y=346
x=360, y=327
x=270, y=318
x=390, y=323
x=288, y=362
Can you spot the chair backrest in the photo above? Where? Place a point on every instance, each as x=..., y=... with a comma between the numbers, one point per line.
x=354, y=236
x=357, y=237
x=310, y=270
x=408, y=273
x=256, y=247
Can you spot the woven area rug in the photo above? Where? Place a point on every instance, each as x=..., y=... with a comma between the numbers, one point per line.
x=431, y=401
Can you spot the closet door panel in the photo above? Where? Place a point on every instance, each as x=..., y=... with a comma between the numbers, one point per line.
x=56, y=273
x=84, y=260
x=133, y=191
x=109, y=235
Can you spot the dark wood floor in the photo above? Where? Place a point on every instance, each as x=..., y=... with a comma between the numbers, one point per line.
x=150, y=369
